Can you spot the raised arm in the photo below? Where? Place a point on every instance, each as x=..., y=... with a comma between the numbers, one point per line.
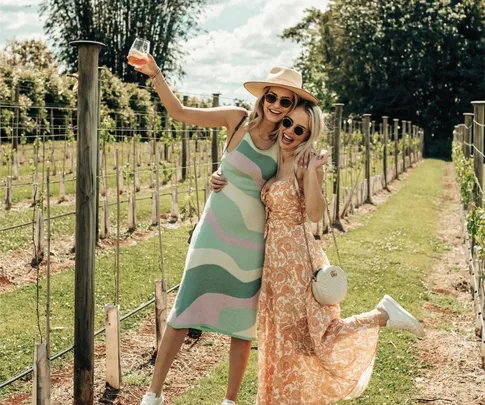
x=312, y=186
x=204, y=117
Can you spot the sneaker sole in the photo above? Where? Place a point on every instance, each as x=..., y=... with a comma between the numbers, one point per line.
x=415, y=322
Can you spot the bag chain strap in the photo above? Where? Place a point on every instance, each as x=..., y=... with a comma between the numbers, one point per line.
x=304, y=230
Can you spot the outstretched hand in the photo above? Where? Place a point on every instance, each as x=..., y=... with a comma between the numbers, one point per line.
x=150, y=68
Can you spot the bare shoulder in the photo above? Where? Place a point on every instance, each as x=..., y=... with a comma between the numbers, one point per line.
x=235, y=116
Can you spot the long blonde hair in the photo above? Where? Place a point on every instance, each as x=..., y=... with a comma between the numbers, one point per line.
x=257, y=115
x=316, y=127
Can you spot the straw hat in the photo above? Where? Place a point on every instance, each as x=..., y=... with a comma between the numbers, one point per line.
x=281, y=77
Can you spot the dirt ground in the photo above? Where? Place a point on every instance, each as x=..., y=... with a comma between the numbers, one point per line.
x=450, y=348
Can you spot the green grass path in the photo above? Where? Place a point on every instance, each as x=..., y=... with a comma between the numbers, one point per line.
x=390, y=254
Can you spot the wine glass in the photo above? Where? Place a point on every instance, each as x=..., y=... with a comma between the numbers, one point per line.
x=138, y=54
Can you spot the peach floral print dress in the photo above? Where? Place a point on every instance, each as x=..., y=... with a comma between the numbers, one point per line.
x=307, y=354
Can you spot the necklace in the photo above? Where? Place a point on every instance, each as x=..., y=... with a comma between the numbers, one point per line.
x=259, y=133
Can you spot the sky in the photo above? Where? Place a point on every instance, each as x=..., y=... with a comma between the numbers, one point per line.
x=239, y=41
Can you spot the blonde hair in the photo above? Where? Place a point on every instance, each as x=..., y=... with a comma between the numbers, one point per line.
x=257, y=115
x=316, y=127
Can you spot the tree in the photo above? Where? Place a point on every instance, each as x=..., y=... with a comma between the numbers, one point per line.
x=29, y=54
x=418, y=60
x=117, y=23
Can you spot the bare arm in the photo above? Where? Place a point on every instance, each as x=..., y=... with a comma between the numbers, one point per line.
x=204, y=117
x=312, y=186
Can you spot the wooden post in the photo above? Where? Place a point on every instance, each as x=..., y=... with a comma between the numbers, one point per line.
x=98, y=132
x=131, y=212
x=86, y=192
x=104, y=231
x=174, y=210
x=113, y=357
x=160, y=309
x=15, y=166
x=410, y=147
x=367, y=135
x=385, y=128
x=155, y=207
x=196, y=188
x=468, y=134
x=215, y=136
x=41, y=388
x=421, y=143
x=48, y=279
x=396, y=147
x=39, y=236
x=15, y=135
x=478, y=123
x=415, y=132
x=404, y=145
x=410, y=137
x=185, y=136
x=336, y=162
x=8, y=195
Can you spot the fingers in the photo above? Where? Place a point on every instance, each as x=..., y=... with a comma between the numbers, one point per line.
x=306, y=158
x=217, y=181
x=219, y=177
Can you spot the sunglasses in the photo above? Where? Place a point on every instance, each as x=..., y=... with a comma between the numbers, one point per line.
x=298, y=129
x=285, y=102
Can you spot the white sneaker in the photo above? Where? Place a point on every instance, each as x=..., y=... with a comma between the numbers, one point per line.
x=228, y=402
x=150, y=398
x=399, y=318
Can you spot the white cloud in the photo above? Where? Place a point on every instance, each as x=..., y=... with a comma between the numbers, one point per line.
x=20, y=19
x=215, y=9
x=221, y=60
x=17, y=20
x=19, y=3
x=242, y=43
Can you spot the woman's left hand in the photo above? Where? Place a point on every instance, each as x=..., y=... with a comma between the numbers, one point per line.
x=306, y=157
x=319, y=160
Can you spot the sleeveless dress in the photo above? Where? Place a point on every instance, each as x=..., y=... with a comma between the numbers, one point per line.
x=220, y=286
x=307, y=354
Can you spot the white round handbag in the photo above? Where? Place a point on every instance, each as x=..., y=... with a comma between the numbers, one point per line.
x=329, y=285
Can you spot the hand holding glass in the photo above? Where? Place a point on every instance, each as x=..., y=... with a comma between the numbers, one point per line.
x=138, y=54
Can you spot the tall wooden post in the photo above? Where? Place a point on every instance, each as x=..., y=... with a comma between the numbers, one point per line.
x=336, y=162
x=404, y=128
x=396, y=147
x=87, y=118
x=478, y=124
x=385, y=133
x=420, y=148
x=98, y=132
x=215, y=136
x=410, y=136
x=15, y=135
x=185, y=137
x=468, y=133
x=366, y=128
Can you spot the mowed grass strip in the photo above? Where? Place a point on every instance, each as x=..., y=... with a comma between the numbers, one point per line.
x=138, y=269
x=390, y=254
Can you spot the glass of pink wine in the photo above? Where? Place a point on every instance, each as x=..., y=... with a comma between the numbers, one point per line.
x=138, y=54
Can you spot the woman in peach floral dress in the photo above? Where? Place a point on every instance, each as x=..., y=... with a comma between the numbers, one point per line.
x=307, y=353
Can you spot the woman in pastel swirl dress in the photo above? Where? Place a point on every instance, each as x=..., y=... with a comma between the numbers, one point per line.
x=220, y=286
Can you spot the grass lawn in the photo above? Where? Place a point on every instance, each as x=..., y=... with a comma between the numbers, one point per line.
x=390, y=254
x=139, y=269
